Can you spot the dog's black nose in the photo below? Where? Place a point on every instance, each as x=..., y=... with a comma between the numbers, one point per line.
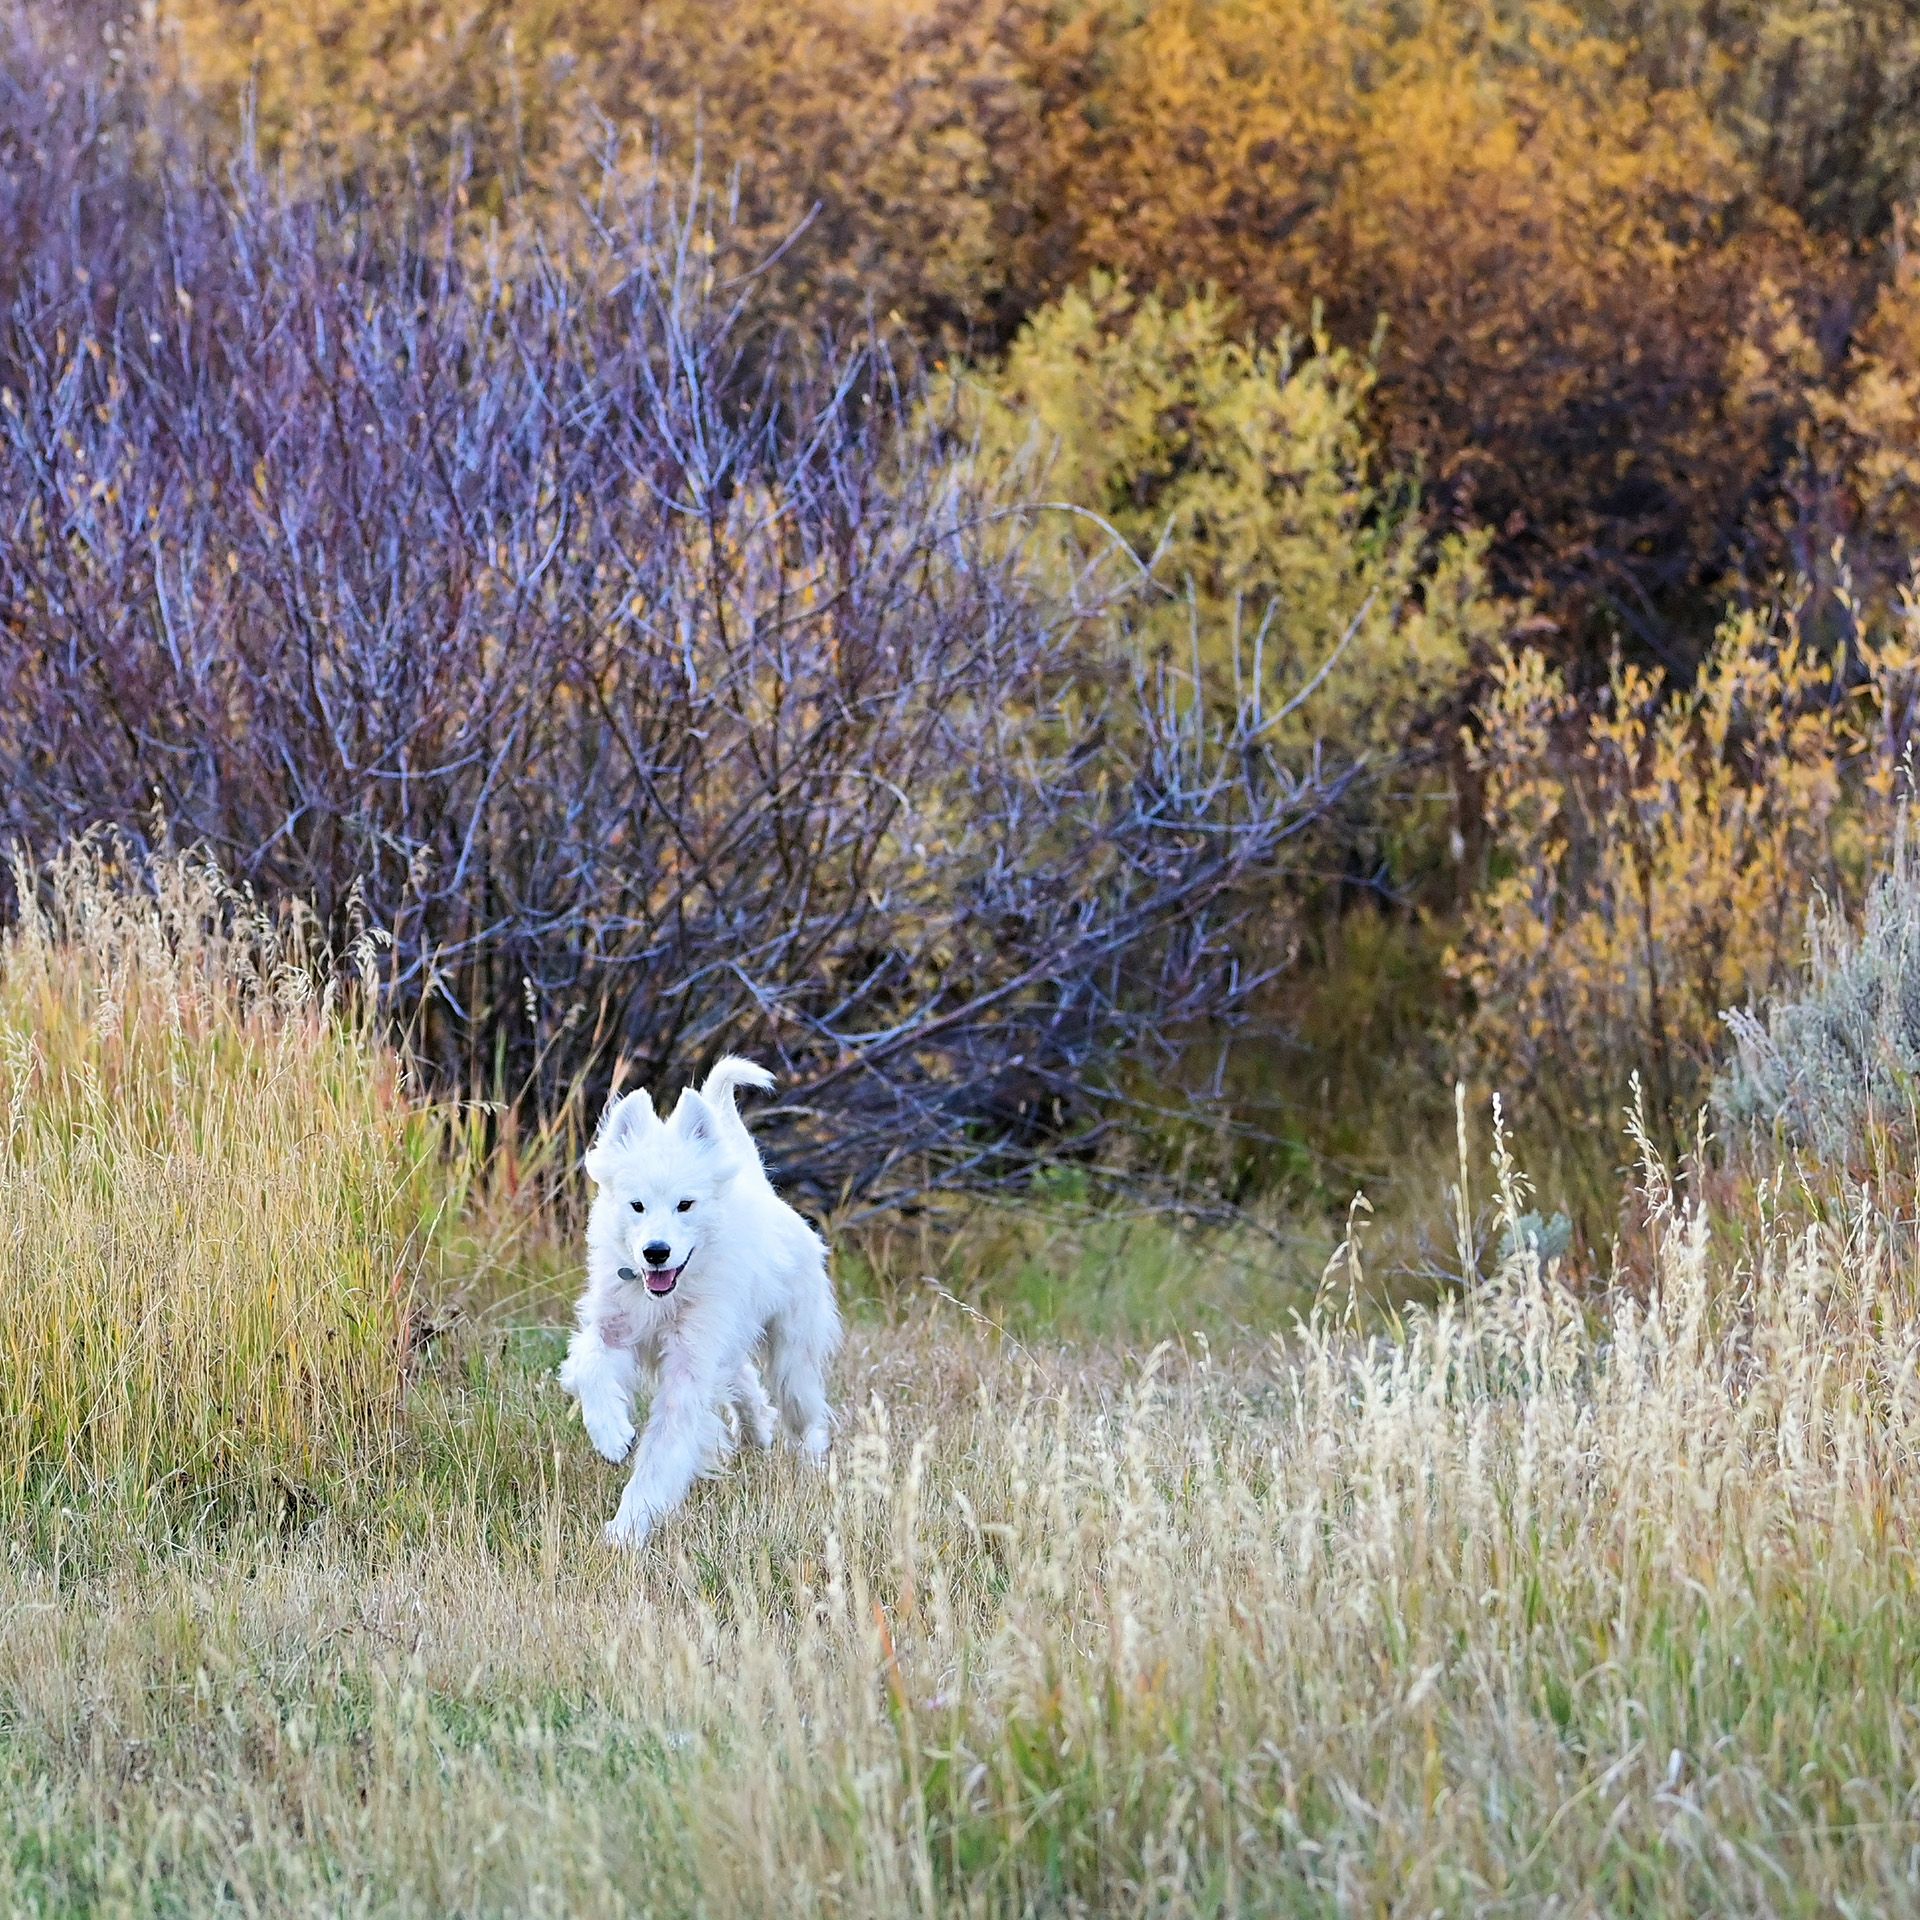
x=655, y=1252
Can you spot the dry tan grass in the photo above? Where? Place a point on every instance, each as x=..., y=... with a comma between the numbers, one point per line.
x=1530, y=1604
x=216, y=1197
x=1519, y=1613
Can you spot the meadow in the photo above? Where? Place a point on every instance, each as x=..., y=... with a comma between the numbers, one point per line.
x=1267, y=648
x=1550, y=1596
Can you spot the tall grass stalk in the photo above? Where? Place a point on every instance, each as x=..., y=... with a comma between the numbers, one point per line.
x=1537, y=1605
x=216, y=1195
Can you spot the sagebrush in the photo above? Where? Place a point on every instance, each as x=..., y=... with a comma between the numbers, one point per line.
x=1833, y=1066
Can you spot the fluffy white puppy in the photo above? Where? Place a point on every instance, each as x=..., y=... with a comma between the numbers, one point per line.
x=694, y=1262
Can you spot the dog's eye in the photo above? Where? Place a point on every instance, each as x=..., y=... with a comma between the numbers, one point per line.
x=639, y=1206
x=684, y=1206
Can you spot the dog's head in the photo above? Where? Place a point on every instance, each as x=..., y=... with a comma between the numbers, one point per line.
x=663, y=1182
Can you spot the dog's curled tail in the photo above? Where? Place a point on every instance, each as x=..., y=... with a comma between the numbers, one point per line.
x=730, y=1073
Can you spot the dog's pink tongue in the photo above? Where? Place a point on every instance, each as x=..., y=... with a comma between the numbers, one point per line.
x=663, y=1280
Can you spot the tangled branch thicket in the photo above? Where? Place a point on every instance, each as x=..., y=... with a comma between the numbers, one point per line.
x=648, y=674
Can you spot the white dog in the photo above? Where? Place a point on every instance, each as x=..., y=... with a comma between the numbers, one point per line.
x=692, y=1261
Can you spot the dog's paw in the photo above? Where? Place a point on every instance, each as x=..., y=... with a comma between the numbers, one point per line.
x=627, y=1531
x=813, y=1446
x=611, y=1434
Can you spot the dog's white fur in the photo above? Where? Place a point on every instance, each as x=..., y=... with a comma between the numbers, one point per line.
x=750, y=1272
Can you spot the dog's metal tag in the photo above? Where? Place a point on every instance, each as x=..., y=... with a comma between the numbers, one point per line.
x=627, y=1273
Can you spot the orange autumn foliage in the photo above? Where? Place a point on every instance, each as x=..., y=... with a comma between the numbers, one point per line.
x=898, y=134
x=1560, y=247
x=1555, y=247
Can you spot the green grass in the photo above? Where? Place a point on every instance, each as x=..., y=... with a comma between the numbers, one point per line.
x=1053, y=1266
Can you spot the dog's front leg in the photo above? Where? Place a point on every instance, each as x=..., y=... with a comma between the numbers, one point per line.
x=684, y=1429
x=601, y=1378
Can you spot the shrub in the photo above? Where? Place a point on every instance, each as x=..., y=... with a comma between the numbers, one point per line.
x=659, y=689
x=902, y=137
x=1654, y=854
x=1555, y=245
x=1833, y=1066
x=1560, y=229
x=217, y=1196
x=1247, y=475
x=1821, y=101
x=1846, y=515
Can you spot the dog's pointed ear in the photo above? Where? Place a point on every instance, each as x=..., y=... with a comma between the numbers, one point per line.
x=695, y=1121
x=623, y=1119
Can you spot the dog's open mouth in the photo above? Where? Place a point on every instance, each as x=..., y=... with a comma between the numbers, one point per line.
x=660, y=1280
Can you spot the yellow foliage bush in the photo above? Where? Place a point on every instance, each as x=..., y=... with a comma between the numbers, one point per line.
x=1875, y=413
x=1247, y=476
x=1821, y=98
x=1654, y=854
x=1847, y=515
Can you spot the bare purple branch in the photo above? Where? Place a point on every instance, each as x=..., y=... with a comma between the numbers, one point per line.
x=658, y=684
